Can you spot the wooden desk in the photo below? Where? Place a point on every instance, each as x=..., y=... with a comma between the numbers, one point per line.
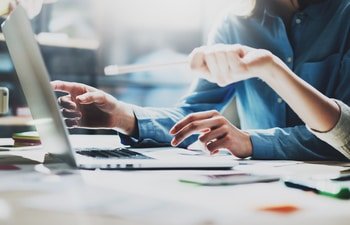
x=155, y=197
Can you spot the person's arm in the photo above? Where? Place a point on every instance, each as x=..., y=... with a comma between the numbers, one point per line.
x=226, y=64
x=318, y=111
x=88, y=107
x=338, y=136
x=153, y=124
x=326, y=118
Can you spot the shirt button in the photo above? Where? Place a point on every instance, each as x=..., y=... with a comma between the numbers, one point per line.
x=279, y=100
x=289, y=59
x=298, y=21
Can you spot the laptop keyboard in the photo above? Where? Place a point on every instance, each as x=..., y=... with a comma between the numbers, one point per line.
x=120, y=153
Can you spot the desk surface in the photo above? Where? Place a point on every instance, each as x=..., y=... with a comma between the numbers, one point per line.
x=62, y=196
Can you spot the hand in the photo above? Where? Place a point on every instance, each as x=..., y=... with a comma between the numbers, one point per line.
x=216, y=132
x=32, y=7
x=227, y=64
x=88, y=107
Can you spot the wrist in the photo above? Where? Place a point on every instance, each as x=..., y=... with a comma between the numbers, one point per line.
x=248, y=146
x=125, y=121
x=274, y=66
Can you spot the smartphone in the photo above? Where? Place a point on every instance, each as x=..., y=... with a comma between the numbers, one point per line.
x=228, y=179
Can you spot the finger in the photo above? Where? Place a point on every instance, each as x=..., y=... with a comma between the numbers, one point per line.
x=224, y=76
x=197, y=61
x=212, y=65
x=70, y=87
x=235, y=63
x=194, y=128
x=256, y=56
x=222, y=61
x=239, y=50
x=66, y=102
x=71, y=114
x=97, y=97
x=213, y=134
x=193, y=117
x=218, y=144
x=236, y=67
x=71, y=123
x=63, y=86
x=245, y=50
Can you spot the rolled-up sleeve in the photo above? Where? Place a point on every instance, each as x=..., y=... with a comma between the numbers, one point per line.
x=339, y=136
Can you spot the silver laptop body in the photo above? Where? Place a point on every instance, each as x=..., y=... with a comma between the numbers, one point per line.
x=35, y=82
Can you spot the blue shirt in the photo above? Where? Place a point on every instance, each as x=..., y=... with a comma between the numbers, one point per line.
x=316, y=48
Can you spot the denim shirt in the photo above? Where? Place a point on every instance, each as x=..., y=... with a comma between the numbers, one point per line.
x=316, y=48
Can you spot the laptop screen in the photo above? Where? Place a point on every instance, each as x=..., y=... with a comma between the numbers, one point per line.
x=35, y=82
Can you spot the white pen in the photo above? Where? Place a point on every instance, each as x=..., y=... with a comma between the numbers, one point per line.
x=114, y=70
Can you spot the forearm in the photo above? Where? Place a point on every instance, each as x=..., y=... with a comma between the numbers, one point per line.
x=293, y=143
x=153, y=125
x=316, y=110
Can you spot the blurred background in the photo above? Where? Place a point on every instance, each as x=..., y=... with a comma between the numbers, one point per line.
x=78, y=38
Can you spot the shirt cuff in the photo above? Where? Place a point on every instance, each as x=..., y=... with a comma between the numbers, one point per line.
x=147, y=132
x=338, y=137
x=261, y=143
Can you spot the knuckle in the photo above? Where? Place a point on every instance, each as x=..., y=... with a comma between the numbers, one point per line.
x=222, y=120
x=209, y=54
x=225, y=127
x=59, y=101
x=179, y=137
x=103, y=96
x=68, y=122
x=214, y=112
x=62, y=111
x=211, y=147
x=265, y=54
x=203, y=138
x=193, y=125
x=196, y=52
x=219, y=53
x=190, y=118
x=235, y=47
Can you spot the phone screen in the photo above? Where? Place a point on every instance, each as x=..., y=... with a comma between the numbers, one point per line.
x=228, y=179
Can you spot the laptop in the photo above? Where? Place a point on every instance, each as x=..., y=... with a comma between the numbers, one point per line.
x=35, y=82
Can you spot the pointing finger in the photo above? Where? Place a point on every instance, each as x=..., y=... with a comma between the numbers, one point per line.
x=97, y=97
